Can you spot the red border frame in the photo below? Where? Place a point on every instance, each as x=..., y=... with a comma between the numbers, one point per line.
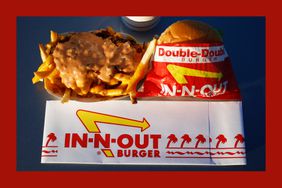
x=168, y=179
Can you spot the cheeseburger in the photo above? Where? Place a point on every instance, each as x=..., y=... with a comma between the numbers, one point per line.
x=88, y=66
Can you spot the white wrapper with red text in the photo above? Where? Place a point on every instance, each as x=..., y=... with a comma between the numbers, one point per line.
x=150, y=132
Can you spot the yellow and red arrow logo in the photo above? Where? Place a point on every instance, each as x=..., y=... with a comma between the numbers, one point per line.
x=90, y=120
x=179, y=73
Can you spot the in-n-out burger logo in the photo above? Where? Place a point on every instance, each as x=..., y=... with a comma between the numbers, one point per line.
x=207, y=90
x=128, y=145
x=204, y=89
x=125, y=143
x=183, y=54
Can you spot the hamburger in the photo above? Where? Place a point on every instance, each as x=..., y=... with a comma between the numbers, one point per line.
x=88, y=66
x=190, y=61
x=188, y=31
x=185, y=31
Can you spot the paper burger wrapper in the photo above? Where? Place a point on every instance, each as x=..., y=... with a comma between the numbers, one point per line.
x=190, y=61
x=201, y=71
x=150, y=132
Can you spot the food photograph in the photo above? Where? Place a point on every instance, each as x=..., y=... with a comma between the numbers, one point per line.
x=140, y=93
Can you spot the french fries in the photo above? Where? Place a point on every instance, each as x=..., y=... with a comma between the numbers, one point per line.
x=44, y=69
x=141, y=70
x=42, y=74
x=132, y=96
x=113, y=82
x=112, y=92
x=122, y=77
x=53, y=36
x=120, y=84
x=53, y=75
x=43, y=53
x=66, y=96
x=96, y=89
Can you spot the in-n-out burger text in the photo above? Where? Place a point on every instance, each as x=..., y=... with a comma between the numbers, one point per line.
x=124, y=142
x=206, y=90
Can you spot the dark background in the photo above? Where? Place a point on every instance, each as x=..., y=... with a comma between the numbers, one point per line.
x=244, y=39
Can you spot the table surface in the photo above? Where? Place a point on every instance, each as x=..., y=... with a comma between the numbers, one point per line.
x=244, y=39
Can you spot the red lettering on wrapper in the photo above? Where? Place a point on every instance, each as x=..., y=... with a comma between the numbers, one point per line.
x=138, y=141
x=193, y=70
x=129, y=145
x=191, y=52
x=104, y=141
x=138, y=153
x=125, y=138
x=77, y=139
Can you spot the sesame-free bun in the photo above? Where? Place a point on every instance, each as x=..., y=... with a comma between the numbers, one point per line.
x=187, y=31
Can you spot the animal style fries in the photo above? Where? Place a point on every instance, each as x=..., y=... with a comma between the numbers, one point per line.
x=92, y=66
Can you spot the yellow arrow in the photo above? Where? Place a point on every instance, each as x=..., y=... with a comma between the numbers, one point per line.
x=179, y=72
x=90, y=120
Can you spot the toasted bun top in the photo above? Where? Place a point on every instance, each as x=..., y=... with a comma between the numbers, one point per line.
x=187, y=31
